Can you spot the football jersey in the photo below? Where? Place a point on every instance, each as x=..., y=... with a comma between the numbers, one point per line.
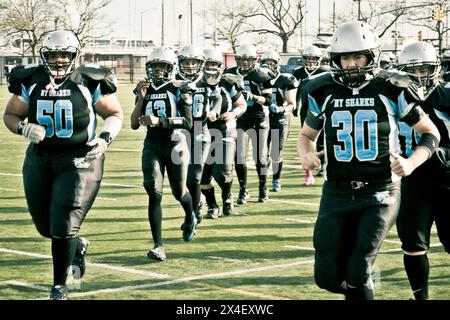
x=66, y=110
x=360, y=128
x=437, y=105
x=206, y=98
x=255, y=82
x=280, y=85
x=166, y=101
x=230, y=93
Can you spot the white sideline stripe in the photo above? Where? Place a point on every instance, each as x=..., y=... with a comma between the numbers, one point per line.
x=294, y=202
x=381, y=251
x=121, y=185
x=98, y=265
x=297, y=220
x=231, y=260
x=5, y=189
x=298, y=247
x=25, y=284
x=10, y=174
x=392, y=241
x=125, y=150
x=108, y=199
x=189, y=279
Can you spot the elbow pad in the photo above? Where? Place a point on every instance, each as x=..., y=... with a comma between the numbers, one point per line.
x=429, y=141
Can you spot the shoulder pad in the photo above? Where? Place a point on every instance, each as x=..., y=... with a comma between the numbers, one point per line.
x=397, y=78
x=184, y=85
x=94, y=75
x=234, y=79
x=20, y=75
x=211, y=80
x=263, y=74
x=316, y=82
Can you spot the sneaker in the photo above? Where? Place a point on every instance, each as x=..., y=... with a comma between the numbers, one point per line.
x=213, y=212
x=319, y=172
x=189, y=229
x=276, y=185
x=263, y=195
x=79, y=259
x=157, y=253
x=227, y=208
x=243, y=196
x=309, y=179
x=58, y=292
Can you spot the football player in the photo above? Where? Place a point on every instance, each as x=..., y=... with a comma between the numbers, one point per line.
x=312, y=57
x=63, y=165
x=223, y=133
x=426, y=191
x=164, y=107
x=254, y=123
x=358, y=109
x=284, y=90
x=207, y=103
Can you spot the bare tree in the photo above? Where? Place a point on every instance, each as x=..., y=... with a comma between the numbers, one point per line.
x=24, y=23
x=284, y=16
x=228, y=24
x=79, y=16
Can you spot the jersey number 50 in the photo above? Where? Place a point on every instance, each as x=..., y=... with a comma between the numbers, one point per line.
x=56, y=116
x=363, y=143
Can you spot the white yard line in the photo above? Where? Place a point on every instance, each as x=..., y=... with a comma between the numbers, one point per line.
x=107, y=199
x=298, y=247
x=98, y=265
x=6, y=189
x=295, y=202
x=381, y=251
x=231, y=260
x=298, y=220
x=10, y=174
x=25, y=284
x=190, y=279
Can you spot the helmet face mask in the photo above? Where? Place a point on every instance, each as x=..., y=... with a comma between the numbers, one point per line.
x=246, y=57
x=312, y=57
x=190, y=62
x=213, y=62
x=355, y=38
x=160, y=65
x=419, y=60
x=59, y=53
x=271, y=60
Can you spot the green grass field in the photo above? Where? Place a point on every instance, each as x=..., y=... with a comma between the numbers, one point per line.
x=265, y=254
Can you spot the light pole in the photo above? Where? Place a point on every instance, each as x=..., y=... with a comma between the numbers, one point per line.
x=180, y=16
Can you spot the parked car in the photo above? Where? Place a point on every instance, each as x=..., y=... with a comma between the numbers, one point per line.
x=292, y=63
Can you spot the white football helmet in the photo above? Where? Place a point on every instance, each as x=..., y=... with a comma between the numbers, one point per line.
x=311, y=58
x=63, y=42
x=356, y=38
x=160, y=65
x=420, y=55
x=190, y=62
x=271, y=55
x=246, y=57
x=214, y=60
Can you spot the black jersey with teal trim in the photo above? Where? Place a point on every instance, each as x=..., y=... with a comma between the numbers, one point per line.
x=437, y=106
x=360, y=129
x=205, y=99
x=280, y=85
x=256, y=81
x=166, y=101
x=230, y=93
x=66, y=110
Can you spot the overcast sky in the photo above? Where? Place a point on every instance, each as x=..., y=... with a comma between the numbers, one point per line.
x=130, y=15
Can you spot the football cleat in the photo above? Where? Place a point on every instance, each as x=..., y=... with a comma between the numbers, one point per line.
x=157, y=253
x=189, y=229
x=79, y=259
x=227, y=208
x=276, y=185
x=319, y=172
x=58, y=292
x=243, y=196
x=263, y=195
x=213, y=212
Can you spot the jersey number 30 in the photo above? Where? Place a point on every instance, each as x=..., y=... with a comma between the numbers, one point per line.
x=56, y=116
x=363, y=143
